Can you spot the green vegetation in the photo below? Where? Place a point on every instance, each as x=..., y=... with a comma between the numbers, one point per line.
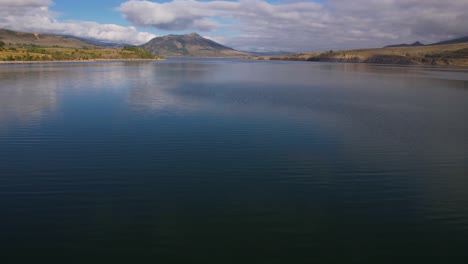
x=137, y=51
x=37, y=53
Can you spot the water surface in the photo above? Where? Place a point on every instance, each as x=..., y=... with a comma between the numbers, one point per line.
x=232, y=161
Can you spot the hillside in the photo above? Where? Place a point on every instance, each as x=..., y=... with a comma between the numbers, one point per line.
x=453, y=54
x=191, y=45
x=30, y=47
x=453, y=41
x=22, y=38
x=418, y=44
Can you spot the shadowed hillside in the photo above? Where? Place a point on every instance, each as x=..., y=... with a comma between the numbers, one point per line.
x=453, y=41
x=415, y=44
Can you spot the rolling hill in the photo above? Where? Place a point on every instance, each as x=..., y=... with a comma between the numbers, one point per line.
x=452, y=41
x=452, y=54
x=418, y=44
x=191, y=45
x=44, y=40
x=448, y=53
x=32, y=47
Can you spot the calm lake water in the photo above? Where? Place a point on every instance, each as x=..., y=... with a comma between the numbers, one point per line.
x=232, y=161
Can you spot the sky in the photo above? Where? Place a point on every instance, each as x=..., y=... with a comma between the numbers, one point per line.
x=248, y=25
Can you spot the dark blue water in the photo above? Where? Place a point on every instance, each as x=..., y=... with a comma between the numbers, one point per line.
x=228, y=161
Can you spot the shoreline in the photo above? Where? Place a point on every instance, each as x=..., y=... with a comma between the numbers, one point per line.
x=72, y=61
x=437, y=55
x=438, y=63
x=444, y=65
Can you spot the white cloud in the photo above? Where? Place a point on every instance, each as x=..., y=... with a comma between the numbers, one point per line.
x=307, y=25
x=35, y=16
x=24, y=3
x=195, y=15
x=291, y=25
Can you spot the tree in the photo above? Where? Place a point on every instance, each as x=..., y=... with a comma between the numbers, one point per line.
x=2, y=44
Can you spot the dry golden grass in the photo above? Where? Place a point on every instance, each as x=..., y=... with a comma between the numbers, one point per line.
x=21, y=46
x=11, y=54
x=453, y=54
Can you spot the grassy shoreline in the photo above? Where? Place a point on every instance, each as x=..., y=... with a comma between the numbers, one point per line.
x=31, y=54
x=437, y=55
x=74, y=61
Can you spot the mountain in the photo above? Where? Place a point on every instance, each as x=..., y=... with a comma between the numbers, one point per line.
x=415, y=44
x=191, y=45
x=453, y=41
x=32, y=47
x=44, y=40
x=419, y=44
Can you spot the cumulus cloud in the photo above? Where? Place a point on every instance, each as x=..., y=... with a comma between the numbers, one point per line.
x=307, y=25
x=191, y=14
x=290, y=25
x=35, y=16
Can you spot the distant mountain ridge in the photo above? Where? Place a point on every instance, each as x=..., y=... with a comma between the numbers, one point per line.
x=415, y=44
x=452, y=41
x=190, y=45
x=419, y=44
x=98, y=42
x=269, y=53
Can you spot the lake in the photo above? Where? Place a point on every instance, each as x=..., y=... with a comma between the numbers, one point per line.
x=233, y=161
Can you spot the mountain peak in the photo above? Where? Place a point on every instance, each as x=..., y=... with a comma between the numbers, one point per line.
x=193, y=34
x=415, y=44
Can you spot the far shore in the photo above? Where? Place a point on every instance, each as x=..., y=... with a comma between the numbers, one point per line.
x=436, y=55
x=71, y=61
